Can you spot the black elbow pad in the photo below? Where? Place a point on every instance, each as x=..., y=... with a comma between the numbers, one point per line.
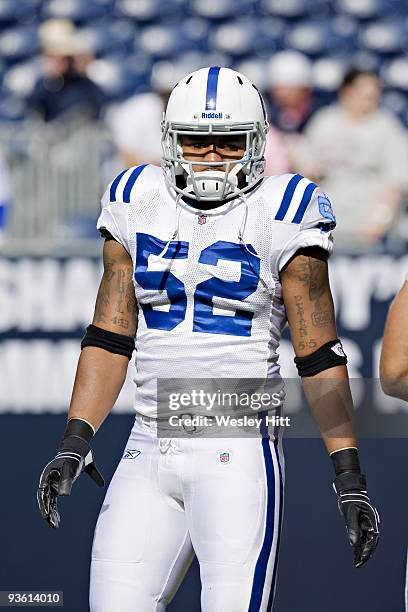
x=327, y=356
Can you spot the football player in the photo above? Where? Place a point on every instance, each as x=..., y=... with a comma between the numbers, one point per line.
x=394, y=360
x=205, y=260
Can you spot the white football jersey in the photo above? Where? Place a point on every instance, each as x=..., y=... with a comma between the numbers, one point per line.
x=207, y=282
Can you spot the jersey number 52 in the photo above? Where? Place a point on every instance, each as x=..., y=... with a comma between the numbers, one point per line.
x=204, y=319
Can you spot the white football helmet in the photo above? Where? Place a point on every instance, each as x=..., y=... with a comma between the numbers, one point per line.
x=217, y=101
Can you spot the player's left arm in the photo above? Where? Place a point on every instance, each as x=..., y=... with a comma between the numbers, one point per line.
x=322, y=366
x=394, y=353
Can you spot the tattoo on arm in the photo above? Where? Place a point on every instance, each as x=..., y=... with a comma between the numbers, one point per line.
x=103, y=298
x=116, y=301
x=312, y=300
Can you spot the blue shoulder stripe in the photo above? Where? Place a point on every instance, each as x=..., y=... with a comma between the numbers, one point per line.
x=304, y=203
x=131, y=181
x=287, y=196
x=114, y=186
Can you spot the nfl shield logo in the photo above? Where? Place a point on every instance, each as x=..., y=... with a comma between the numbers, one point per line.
x=224, y=457
x=202, y=219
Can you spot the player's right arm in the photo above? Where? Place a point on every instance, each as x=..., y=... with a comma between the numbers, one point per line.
x=101, y=372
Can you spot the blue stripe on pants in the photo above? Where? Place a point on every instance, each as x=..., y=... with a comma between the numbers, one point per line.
x=263, y=559
x=273, y=584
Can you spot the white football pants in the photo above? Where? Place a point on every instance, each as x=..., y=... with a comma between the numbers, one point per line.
x=220, y=498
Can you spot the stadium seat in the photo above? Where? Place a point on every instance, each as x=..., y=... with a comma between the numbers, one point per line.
x=20, y=80
x=385, y=37
x=137, y=69
x=395, y=74
x=346, y=29
x=161, y=41
x=287, y=9
x=235, y=38
x=366, y=60
x=221, y=9
x=142, y=10
x=12, y=12
x=363, y=9
x=310, y=37
x=119, y=77
x=196, y=30
x=270, y=36
x=107, y=38
x=328, y=74
x=77, y=10
x=149, y=11
x=19, y=43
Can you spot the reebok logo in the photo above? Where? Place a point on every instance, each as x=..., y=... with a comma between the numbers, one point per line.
x=131, y=454
x=211, y=115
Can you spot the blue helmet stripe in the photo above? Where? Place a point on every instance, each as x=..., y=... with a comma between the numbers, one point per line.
x=131, y=181
x=212, y=85
x=114, y=186
x=287, y=196
x=304, y=203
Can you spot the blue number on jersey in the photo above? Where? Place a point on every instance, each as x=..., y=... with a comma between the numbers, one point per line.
x=205, y=320
x=162, y=281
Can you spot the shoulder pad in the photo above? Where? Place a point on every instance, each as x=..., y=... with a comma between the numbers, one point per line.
x=124, y=185
x=295, y=199
x=299, y=201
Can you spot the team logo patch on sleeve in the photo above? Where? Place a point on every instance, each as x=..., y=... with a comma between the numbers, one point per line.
x=325, y=208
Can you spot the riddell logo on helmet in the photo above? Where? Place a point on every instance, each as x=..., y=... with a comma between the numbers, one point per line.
x=211, y=115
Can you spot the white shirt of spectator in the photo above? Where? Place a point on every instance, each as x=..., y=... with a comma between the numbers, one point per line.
x=358, y=161
x=135, y=127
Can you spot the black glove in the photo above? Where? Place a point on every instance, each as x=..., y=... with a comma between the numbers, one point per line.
x=74, y=456
x=362, y=520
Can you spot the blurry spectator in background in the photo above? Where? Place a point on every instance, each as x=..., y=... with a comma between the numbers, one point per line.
x=290, y=91
x=358, y=153
x=277, y=157
x=291, y=105
x=5, y=196
x=136, y=124
x=64, y=88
